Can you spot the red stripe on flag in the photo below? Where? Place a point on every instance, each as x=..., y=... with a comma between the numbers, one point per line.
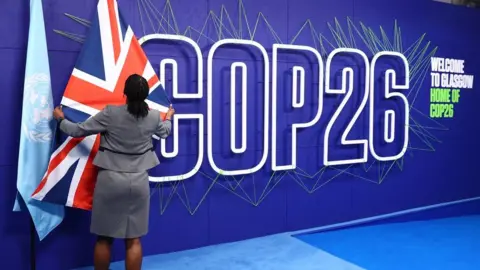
x=91, y=95
x=152, y=81
x=84, y=194
x=97, y=97
x=112, y=14
x=57, y=160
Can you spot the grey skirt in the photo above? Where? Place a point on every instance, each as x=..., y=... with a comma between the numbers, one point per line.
x=121, y=204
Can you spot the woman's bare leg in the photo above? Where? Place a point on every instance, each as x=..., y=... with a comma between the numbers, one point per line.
x=134, y=255
x=102, y=253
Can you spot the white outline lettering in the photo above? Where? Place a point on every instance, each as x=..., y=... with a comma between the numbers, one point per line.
x=178, y=95
x=348, y=92
x=210, y=106
x=390, y=73
x=163, y=63
x=298, y=102
x=296, y=126
x=243, y=144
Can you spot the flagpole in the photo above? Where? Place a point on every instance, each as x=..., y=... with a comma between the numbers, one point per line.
x=33, y=263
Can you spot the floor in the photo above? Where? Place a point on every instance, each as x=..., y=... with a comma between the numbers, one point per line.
x=444, y=244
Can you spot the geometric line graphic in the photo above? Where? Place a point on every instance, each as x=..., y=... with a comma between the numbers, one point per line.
x=254, y=189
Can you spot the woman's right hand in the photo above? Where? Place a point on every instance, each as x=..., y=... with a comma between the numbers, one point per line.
x=170, y=113
x=58, y=113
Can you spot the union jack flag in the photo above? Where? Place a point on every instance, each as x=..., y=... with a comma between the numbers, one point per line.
x=109, y=55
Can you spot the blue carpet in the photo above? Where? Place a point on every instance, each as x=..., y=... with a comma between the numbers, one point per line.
x=445, y=244
x=276, y=252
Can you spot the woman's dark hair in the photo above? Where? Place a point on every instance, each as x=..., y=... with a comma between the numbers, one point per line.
x=136, y=90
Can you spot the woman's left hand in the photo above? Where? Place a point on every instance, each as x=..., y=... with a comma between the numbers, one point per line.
x=58, y=113
x=170, y=113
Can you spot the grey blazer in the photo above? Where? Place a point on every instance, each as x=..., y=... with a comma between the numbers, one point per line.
x=125, y=142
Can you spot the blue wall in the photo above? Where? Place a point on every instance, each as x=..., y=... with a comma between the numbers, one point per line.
x=202, y=211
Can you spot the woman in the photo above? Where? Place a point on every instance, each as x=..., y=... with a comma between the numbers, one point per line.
x=121, y=199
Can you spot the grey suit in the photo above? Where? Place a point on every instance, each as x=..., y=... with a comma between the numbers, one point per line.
x=121, y=199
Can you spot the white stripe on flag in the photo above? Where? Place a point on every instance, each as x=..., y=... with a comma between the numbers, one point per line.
x=112, y=74
x=87, y=143
x=117, y=17
x=107, y=43
x=60, y=171
x=156, y=106
x=79, y=106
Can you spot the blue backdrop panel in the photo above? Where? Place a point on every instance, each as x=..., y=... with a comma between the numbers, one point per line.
x=310, y=19
x=74, y=229
x=208, y=208
x=15, y=22
x=233, y=19
x=424, y=170
x=181, y=227
x=15, y=57
x=14, y=227
x=147, y=17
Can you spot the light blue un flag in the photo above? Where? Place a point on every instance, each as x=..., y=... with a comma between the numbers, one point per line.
x=36, y=136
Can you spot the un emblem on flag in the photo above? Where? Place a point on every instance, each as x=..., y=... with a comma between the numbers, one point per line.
x=38, y=107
